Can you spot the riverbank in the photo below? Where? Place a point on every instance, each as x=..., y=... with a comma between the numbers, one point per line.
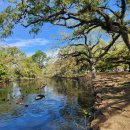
x=4, y=82
x=112, y=102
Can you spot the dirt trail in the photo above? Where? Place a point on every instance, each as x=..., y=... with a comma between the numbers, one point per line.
x=112, y=102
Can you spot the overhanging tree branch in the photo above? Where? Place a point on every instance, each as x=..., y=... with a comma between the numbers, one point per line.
x=106, y=49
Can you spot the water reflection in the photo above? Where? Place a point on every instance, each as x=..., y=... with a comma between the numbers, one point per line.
x=59, y=110
x=16, y=92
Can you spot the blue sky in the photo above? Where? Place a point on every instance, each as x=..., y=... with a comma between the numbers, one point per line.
x=46, y=40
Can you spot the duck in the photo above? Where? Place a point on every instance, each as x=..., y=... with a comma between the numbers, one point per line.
x=40, y=96
x=44, y=85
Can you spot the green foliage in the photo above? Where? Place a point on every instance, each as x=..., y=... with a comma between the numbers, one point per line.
x=73, y=62
x=39, y=57
x=83, y=16
x=67, y=66
x=14, y=64
x=118, y=56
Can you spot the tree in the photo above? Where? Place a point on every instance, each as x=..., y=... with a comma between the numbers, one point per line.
x=39, y=57
x=91, y=50
x=10, y=57
x=81, y=15
x=14, y=64
x=118, y=55
x=27, y=69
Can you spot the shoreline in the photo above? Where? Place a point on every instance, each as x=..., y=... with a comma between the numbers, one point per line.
x=111, y=101
x=3, y=82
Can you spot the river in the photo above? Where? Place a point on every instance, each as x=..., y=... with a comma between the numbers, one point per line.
x=61, y=108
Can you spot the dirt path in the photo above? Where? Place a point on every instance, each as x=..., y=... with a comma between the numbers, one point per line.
x=112, y=102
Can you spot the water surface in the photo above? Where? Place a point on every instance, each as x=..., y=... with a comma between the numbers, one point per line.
x=61, y=108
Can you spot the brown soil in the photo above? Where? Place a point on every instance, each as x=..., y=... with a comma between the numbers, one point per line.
x=112, y=104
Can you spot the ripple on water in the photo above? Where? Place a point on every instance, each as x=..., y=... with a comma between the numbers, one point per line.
x=59, y=110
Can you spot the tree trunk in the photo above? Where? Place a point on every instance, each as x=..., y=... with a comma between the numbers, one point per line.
x=93, y=70
x=129, y=67
x=126, y=40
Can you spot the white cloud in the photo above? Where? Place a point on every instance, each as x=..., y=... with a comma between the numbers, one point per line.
x=21, y=43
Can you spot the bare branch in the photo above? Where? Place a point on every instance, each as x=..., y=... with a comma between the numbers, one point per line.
x=106, y=8
x=75, y=54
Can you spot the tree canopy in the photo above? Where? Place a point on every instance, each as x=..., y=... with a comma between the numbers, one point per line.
x=81, y=15
x=39, y=57
x=14, y=64
x=72, y=61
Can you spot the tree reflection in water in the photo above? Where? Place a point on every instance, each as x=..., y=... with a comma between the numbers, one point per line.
x=60, y=109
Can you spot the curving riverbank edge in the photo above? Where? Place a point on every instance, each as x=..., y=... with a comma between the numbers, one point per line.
x=112, y=102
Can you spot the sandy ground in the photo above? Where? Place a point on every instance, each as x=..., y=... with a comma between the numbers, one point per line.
x=112, y=102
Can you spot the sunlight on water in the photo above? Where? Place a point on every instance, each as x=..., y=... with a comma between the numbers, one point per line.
x=60, y=109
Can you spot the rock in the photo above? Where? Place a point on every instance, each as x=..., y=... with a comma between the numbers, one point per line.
x=40, y=96
x=95, y=124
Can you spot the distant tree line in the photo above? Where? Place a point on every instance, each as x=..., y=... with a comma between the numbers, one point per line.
x=15, y=64
x=72, y=61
